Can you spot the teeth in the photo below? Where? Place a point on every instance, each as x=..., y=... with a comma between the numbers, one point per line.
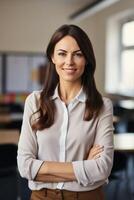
x=70, y=69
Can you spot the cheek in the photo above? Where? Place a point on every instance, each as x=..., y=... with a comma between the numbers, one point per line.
x=58, y=62
x=82, y=71
x=81, y=63
x=57, y=69
x=82, y=68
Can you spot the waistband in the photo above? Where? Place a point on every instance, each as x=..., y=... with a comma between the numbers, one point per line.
x=65, y=194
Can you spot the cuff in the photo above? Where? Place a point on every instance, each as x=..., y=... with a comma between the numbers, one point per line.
x=79, y=171
x=35, y=168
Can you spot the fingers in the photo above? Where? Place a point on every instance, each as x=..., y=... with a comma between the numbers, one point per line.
x=97, y=156
x=95, y=152
x=97, y=149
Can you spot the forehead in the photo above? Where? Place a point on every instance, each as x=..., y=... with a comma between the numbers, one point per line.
x=67, y=43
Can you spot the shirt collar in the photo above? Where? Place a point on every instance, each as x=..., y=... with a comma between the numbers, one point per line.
x=81, y=96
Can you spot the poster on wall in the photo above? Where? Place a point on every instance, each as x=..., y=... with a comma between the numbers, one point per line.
x=22, y=72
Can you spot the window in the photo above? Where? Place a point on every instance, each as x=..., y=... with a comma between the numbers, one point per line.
x=119, y=77
x=127, y=57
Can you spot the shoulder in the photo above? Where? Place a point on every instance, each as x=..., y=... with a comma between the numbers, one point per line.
x=107, y=105
x=33, y=95
x=33, y=98
x=107, y=102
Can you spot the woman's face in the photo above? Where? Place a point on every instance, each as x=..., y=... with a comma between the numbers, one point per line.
x=69, y=60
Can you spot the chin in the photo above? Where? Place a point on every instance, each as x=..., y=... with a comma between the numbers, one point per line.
x=72, y=80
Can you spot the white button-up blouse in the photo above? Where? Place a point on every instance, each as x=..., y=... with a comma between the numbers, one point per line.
x=69, y=139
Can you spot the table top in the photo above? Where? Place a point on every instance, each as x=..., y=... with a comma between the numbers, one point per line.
x=124, y=142
x=9, y=136
x=7, y=118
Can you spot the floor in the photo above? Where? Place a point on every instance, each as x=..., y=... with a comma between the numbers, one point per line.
x=118, y=190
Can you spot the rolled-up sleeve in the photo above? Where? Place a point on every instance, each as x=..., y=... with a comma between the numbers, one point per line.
x=28, y=164
x=89, y=172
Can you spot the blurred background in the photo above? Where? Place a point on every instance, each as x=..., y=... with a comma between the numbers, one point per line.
x=25, y=29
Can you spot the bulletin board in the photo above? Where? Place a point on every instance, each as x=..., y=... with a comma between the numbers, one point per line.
x=19, y=71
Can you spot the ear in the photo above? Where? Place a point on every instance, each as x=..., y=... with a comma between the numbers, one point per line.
x=52, y=58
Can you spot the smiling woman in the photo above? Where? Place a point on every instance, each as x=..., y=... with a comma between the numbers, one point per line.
x=66, y=143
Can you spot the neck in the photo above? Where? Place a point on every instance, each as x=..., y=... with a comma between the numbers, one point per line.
x=68, y=91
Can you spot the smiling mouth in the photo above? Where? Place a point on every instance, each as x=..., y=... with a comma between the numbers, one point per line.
x=70, y=69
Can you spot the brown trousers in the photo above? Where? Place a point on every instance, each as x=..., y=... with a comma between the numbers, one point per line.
x=49, y=194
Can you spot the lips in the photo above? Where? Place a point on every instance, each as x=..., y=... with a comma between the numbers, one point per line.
x=69, y=69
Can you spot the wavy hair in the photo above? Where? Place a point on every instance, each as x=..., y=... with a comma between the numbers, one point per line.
x=94, y=100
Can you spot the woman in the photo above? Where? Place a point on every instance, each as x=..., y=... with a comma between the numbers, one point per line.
x=66, y=144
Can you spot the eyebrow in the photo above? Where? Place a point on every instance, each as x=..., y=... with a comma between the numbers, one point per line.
x=66, y=51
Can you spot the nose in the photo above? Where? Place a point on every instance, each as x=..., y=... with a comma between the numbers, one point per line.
x=69, y=59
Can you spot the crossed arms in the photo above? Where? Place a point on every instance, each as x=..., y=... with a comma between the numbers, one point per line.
x=63, y=171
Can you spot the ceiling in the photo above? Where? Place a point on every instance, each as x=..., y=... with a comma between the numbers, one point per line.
x=79, y=4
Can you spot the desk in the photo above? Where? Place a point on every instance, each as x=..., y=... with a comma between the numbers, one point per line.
x=6, y=118
x=9, y=136
x=124, y=142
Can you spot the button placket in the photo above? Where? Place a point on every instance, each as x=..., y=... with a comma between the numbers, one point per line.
x=64, y=130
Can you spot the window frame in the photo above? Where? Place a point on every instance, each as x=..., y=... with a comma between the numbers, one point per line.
x=124, y=48
x=115, y=24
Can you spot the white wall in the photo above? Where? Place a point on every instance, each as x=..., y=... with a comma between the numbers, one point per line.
x=26, y=25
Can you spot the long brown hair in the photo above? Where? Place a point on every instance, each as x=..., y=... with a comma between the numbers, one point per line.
x=94, y=100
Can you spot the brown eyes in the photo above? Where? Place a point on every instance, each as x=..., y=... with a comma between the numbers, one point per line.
x=74, y=54
x=79, y=54
x=61, y=54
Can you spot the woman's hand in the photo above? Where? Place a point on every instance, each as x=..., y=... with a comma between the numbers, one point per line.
x=95, y=152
